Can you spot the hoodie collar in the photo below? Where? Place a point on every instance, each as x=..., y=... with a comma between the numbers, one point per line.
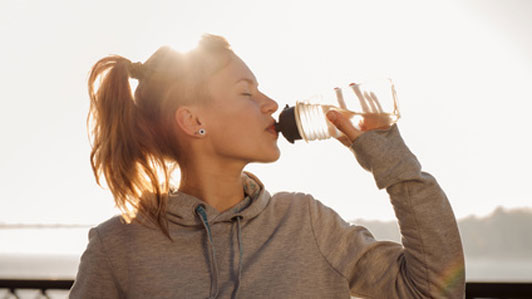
x=181, y=206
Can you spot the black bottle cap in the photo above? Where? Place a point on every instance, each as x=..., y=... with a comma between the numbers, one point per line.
x=287, y=124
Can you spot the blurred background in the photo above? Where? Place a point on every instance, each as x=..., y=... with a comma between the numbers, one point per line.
x=462, y=70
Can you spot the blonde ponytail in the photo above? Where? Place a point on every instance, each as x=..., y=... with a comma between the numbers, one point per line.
x=123, y=148
x=134, y=144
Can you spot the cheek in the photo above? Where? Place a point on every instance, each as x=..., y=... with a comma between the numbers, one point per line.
x=245, y=118
x=234, y=130
x=237, y=122
x=242, y=130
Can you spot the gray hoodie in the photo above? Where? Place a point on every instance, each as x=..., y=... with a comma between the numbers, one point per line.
x=288, y=245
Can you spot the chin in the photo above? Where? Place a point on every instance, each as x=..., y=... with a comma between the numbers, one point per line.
x=276, y=156
x=270, y=157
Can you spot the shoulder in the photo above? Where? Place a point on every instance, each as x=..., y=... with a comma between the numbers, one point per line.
x=287, y=204
x=111, y=226
x=302, y=208
x=291, y=200
x=109, y=231
x=114, y=237
x=298, y=202
x=117, y=224
x=116, y=230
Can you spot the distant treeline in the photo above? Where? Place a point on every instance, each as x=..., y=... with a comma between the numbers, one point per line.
x=503, y=234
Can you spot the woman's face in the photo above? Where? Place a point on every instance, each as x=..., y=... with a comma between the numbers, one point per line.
x=239, y=119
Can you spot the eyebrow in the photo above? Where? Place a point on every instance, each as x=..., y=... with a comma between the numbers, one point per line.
x=248, y=80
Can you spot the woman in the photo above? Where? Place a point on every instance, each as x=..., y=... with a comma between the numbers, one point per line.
x=221, y=234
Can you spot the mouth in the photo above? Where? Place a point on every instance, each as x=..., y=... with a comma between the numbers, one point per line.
x=271, y=129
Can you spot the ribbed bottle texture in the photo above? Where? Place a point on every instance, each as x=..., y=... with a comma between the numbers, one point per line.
x=313, y=123
x=370, y=105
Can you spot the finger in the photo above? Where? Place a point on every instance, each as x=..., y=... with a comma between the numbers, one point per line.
x=370, y=101
x=376, y=101
x=344, y=125
x=360, y=97
x=340, y=98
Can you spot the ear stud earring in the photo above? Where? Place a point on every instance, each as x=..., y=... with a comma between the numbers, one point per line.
x=202, y=132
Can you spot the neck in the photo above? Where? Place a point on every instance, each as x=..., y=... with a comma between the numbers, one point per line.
x=217, y=184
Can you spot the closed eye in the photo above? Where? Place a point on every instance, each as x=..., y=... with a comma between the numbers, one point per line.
x=246, y=94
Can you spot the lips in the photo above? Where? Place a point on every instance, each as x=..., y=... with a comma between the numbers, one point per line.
x=271, y=129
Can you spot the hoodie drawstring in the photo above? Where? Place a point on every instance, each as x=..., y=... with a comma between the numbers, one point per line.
x=241, y=253
x=200, y=210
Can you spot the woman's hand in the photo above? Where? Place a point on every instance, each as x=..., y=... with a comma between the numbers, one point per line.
x=344, y=125
x=373, y=117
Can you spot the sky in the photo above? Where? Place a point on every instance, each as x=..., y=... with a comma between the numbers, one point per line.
x=462, y=70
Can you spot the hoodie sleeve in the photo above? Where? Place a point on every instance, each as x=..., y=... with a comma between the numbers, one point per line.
x=430, y=261
x=95, y=278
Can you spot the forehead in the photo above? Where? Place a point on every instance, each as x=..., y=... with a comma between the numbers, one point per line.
x=234, y=72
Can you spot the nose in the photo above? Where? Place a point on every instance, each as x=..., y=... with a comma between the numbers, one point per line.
x=269, y=105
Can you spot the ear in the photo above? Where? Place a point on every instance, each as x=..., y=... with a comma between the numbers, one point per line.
x=187, y=120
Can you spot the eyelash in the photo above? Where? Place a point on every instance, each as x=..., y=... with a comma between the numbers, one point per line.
x=246, y=94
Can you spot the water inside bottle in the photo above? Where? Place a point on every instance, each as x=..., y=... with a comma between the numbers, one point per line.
x=361, y=121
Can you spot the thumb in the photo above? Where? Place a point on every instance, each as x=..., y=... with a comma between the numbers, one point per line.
x=343, y=124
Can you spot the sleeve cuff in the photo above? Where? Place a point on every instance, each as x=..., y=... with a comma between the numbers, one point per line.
x=386, y=156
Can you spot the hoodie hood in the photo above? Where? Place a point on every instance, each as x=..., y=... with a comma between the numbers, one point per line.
x=181, y=207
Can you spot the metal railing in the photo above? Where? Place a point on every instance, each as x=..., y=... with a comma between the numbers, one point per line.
x=506, y=290
x=42, y=285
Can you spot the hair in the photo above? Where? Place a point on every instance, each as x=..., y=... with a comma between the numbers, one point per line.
x=133, y=137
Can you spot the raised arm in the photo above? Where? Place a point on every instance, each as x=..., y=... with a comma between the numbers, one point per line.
x=430, y=262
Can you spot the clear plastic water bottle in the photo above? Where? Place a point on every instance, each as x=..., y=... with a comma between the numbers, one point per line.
x=369, y=105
